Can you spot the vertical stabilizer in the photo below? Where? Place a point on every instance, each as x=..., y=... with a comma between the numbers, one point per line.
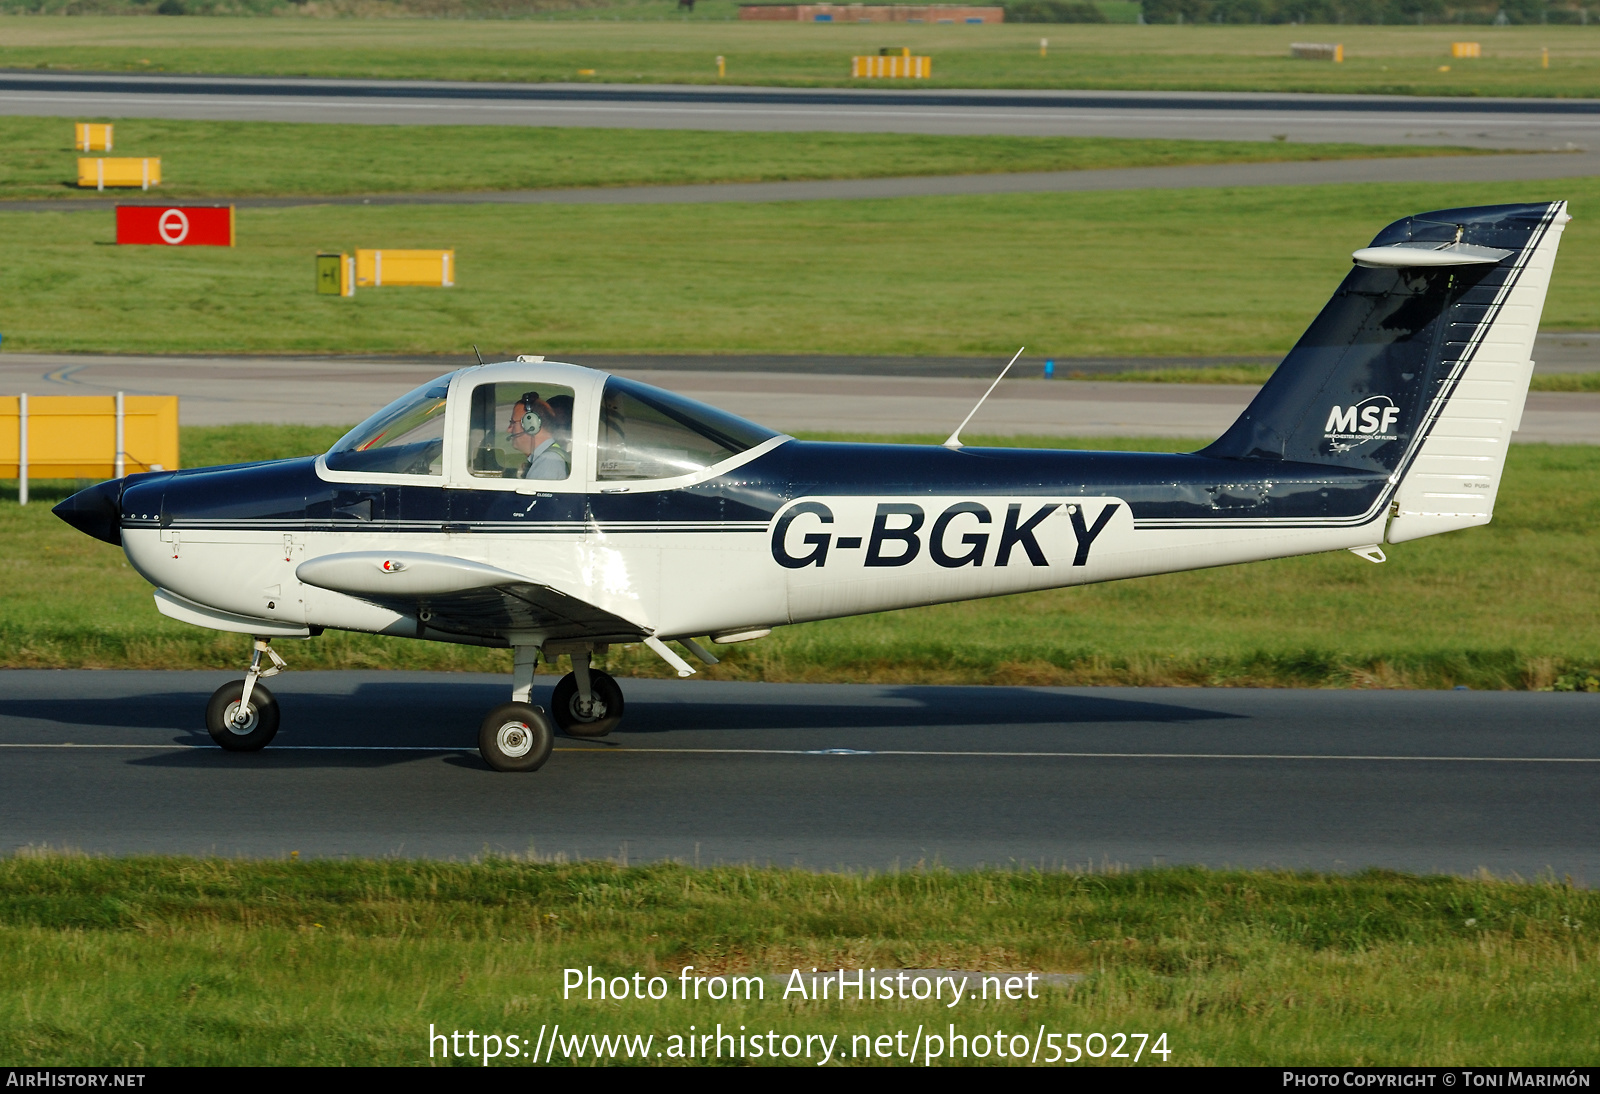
x=1418, y=368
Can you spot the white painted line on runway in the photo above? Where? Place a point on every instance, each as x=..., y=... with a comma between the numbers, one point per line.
x=1103, y=755
x=619, y=750
x=275, y=748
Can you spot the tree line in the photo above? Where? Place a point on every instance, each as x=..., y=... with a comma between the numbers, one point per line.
x=1367, y=12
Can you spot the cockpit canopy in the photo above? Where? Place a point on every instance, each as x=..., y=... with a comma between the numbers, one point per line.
x=647, y=433
x=530, y=423
x=404, y=438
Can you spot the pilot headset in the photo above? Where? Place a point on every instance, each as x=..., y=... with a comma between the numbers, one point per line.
x=530, y=422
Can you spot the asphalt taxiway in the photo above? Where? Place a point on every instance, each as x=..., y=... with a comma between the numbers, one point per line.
x=842, y=394
x=1524, y=124
x=376, y=763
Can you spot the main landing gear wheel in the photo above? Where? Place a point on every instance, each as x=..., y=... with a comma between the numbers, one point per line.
x=516, y=737
x=594, y=719
x=249, y=733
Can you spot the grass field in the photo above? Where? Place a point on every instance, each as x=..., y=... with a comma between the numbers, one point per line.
x=1114, y=273
x=149, y=962
x=1513, y=605
x=1386, y=60
x=245, y=159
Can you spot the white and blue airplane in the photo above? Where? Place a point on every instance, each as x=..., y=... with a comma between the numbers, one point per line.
x=557, y=510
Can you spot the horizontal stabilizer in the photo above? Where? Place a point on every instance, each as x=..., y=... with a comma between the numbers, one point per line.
x=1405, y=256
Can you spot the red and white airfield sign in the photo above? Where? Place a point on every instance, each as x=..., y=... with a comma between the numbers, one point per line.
x=176, y=225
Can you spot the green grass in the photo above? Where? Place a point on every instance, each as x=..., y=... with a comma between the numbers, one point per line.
x=498, y=10
x=1216, y=374
x=1388, y=60
x=1567, y=381
x=1115, y=273
x=148, y=962
x=244, y=159
x=657, y=11
x=1513, y=605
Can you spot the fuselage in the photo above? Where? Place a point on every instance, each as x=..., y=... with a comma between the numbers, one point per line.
x=799, y=531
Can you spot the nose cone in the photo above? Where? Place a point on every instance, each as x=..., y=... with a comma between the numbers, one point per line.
x=96, y=511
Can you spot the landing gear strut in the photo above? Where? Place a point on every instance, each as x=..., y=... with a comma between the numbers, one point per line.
x=517, y=736
x=242, y=716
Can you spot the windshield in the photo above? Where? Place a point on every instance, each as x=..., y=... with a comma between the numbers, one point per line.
x=404, y=438
x=647, y=433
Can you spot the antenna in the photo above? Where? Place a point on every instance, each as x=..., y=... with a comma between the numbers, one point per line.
x=955, y=438
x=476, y=354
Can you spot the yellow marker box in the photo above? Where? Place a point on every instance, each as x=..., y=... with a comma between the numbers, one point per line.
x=376, y=268
x=75, y=436
x=92, y=137
x=98, y=172
x=903, y=66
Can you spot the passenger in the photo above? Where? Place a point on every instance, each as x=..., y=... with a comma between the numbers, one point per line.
x=532, y=432
x=562, y=427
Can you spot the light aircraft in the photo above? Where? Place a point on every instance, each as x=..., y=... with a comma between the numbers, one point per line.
x=557, y=510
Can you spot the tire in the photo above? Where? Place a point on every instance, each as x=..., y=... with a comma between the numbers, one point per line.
x=564, y=705
x=516, y=737
x=261, y=727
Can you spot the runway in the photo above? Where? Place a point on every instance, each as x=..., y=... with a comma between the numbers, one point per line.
x=852, y=395
x=1525, y=124
x=374, y=763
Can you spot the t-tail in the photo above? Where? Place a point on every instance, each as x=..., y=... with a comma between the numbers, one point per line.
x=1418, y=367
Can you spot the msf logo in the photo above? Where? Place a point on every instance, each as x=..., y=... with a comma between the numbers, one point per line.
x=1372, y=419
x=960, y=536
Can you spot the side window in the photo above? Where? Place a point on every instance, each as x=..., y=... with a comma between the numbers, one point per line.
x=520, y=431
x=404, y=438
x=647, y=433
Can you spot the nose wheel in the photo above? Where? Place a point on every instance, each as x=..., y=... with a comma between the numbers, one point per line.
x=239, y=724
x=243, y=716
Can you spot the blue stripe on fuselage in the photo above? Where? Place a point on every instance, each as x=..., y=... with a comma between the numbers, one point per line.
x=1157, y=486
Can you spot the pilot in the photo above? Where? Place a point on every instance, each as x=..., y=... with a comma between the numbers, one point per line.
x=532, y=432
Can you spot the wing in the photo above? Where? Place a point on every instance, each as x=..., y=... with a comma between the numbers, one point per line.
x=463, y=597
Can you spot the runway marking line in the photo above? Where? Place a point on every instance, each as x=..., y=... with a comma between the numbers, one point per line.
x=881, y=752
